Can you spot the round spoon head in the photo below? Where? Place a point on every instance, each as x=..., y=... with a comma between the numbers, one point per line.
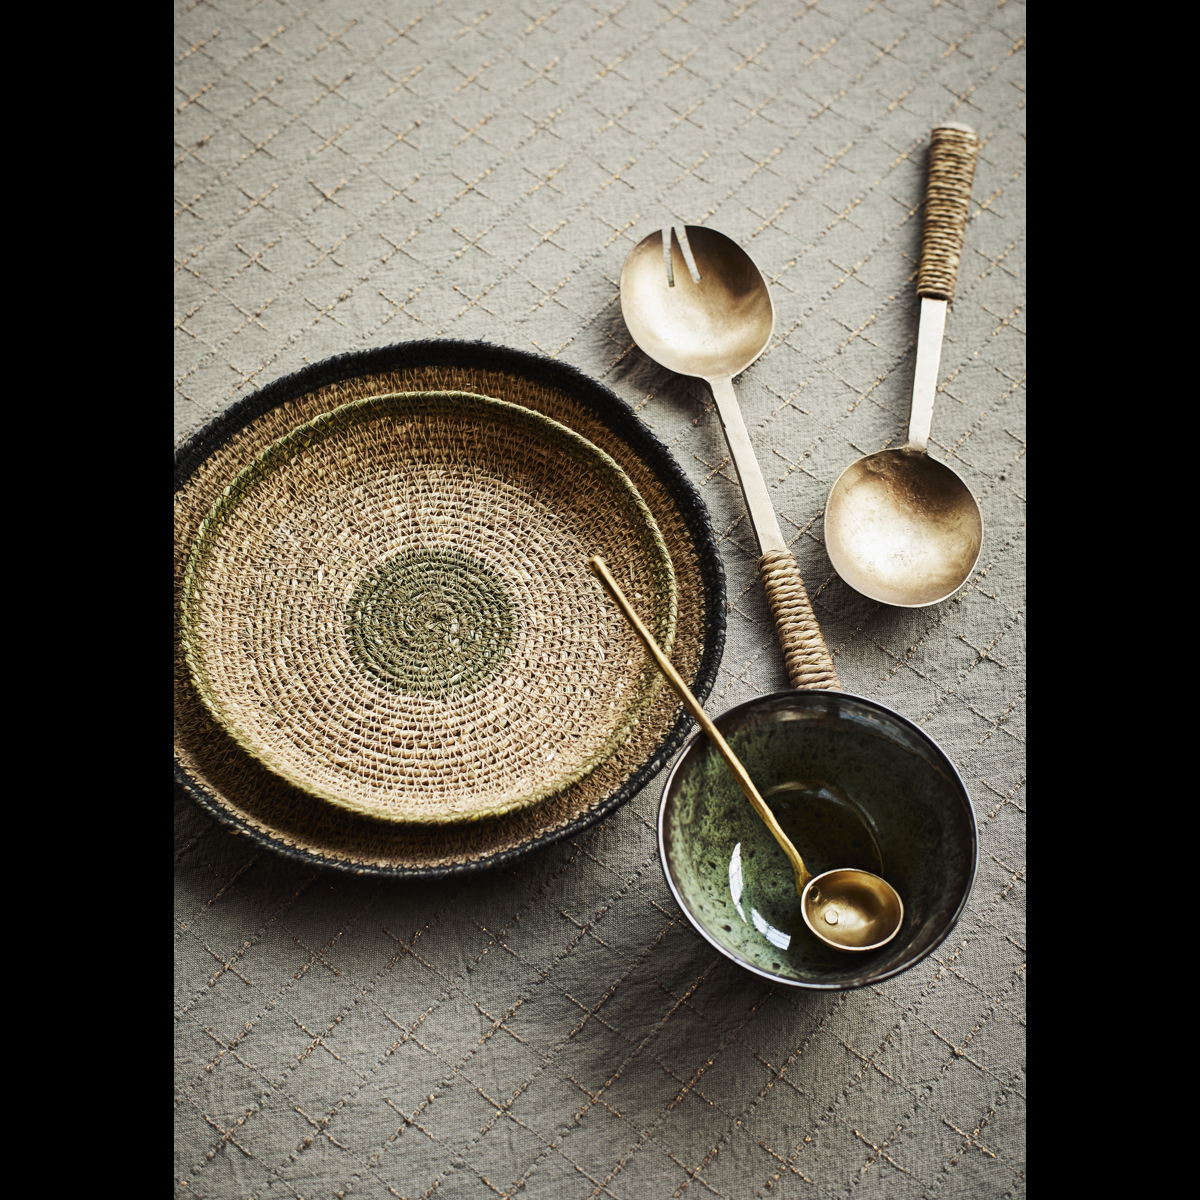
x=902, y=528
x=712, y=329
x=852, y=910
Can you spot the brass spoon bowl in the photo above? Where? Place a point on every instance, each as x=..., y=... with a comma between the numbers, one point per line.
x=714, y=317
x=846, y=908
x=851, y=908
x=902, y=528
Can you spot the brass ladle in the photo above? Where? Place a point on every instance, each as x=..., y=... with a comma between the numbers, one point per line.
x=901, y=527
x=846, y=908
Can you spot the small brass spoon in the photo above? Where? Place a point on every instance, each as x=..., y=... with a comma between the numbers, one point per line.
x=846, y=908
x=901, y=527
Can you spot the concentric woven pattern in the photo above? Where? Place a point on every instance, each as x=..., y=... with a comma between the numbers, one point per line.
x=237, y=788
x=390, y=607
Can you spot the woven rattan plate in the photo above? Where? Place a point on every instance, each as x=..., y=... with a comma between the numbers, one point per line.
x=390, y=607
x=236, y=789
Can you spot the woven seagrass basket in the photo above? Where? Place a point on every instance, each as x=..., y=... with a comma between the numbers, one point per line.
x=389, y=607
x=234, y=787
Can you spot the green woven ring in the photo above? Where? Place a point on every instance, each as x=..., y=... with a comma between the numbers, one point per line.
x=390, y=607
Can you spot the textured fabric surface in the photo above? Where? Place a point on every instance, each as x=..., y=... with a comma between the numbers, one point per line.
x=353, y=174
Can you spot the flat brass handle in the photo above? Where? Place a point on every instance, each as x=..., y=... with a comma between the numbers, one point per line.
x=805, y=654
x=953, y=150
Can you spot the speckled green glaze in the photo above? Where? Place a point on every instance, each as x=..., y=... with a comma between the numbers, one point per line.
x=854, y=785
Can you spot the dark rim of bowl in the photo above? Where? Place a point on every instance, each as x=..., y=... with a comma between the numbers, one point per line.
x=858, y=981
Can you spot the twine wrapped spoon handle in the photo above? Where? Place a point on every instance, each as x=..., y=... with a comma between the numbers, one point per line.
x=598, y=568
x=953, y=150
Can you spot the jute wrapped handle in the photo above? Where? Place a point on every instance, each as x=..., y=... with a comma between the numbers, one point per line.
x=804, y=652
x=952, y=153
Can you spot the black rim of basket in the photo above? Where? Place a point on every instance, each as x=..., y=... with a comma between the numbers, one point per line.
x=609, y=408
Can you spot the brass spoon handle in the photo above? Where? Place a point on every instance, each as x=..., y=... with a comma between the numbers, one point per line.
x=599, y=568
x=952, y=153
x=804, y=651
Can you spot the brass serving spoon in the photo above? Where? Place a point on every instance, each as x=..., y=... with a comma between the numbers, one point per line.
x=709, y=314
x=846, y=908
x=901, y=527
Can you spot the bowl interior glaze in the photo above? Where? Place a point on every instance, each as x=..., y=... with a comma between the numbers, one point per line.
x=854, y=785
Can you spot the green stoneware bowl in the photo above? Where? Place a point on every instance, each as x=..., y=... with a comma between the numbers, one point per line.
x=854, y=785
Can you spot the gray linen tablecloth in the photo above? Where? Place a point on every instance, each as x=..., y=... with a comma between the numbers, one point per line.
x=353, y=174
